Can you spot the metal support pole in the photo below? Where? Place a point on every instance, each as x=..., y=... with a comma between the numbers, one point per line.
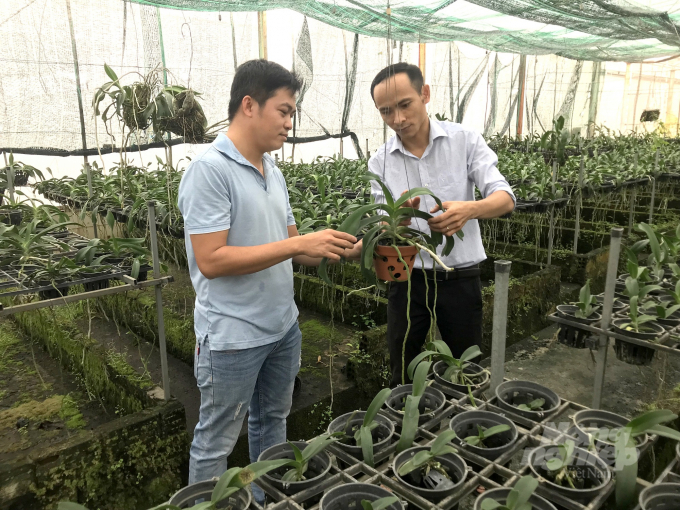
x=89, y=195
x=500, y=320
x=159, y=299
x=610, y=285
x=631, y=212
x=656, y=170
x=10, y=183
x=368, y=156
x=341, y=149
x=551, y=231
x=579, y=203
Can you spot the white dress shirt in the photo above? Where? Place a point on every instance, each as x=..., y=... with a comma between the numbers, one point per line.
x=455, y=161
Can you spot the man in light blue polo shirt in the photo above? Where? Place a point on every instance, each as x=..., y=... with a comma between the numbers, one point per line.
x=240, y=238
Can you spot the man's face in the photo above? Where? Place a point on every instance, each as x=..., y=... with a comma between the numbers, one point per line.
x=401, y=106
x=273, y=120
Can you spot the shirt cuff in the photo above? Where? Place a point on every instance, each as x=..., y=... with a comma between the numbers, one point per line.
x=208, y=229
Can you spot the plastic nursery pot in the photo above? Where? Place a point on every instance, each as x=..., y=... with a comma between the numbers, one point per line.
x=590, y=421
x=454, y=465
x=20, y=178
x=11, y=216
x=590, y=472
x=350, y=495
x=430, y=404
x=465, y=424
x=501, y=495
x=662, y=496
x=511, y=394
x=671, y=322
x=632, y=353
x=572, y=336
x=52, y=293
x=98, y=284
x=388, y=267
x=317, y=468
x=477, y=373
x=199, y=492
x=617, y=304
x=382, y=434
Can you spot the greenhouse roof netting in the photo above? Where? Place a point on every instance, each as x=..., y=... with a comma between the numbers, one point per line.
x=598, y=30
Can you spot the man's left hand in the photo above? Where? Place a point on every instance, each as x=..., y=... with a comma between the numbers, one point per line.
x=354, y=254
x=454, y=218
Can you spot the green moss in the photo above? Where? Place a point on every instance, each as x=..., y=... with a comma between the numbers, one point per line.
x=134, y=466
x=70, y=414
x=33, y=410
x=118, y=386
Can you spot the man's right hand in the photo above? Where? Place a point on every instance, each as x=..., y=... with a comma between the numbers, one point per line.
x=413, y=203
x=326, y=243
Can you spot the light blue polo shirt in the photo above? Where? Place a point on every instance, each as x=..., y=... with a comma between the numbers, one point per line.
x=221, y=190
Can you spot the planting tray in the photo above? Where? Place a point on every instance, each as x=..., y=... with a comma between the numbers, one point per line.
x=663, y=343
x=554, y=427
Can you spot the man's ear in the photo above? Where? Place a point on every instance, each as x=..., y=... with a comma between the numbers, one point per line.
x=248, y=106
x=425, y=94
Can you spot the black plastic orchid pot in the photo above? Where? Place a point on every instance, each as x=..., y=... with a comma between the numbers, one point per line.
x=350, y=495
x=632, y=353
x=432, y=488
x=524, y=398
x=501, y=495
x=662, y=496
x=431, y=403
x=467, y=424
x=202, y=491
x=351, y=422
x=317, y=468
x=572, y=336
x=600, y=428
x=590, y=473
x=479, y=376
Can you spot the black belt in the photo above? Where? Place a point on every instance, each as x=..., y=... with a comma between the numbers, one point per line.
x=456, y=274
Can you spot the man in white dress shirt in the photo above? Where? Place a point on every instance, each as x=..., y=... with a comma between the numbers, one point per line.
x=450, y=160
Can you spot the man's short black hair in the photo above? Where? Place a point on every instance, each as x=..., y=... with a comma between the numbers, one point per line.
x=413, y=72
x=260, y=79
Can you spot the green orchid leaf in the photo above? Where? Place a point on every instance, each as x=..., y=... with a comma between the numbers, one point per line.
x=367, y=445
x=409, y=423
x=442, y=441
x=377, y=402
x=379, y=504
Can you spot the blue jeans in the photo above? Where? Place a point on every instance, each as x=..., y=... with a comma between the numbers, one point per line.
x=258, y=380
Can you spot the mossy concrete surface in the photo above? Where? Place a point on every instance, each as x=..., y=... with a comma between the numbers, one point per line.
x=132, y=463
x=69, y=429
x=111, y=380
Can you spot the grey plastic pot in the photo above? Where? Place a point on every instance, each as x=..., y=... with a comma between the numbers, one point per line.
x=501, y=495
x=430, y=403
x=589, y=465
x=662, y=496
x=199, y=492
x=511, y=394
x=453, y=464
x=472, y=369
x=465, y=424
x=591, y=420
x=350, y=495
x=617, y=305
x=382, y=434
x=319, y=466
